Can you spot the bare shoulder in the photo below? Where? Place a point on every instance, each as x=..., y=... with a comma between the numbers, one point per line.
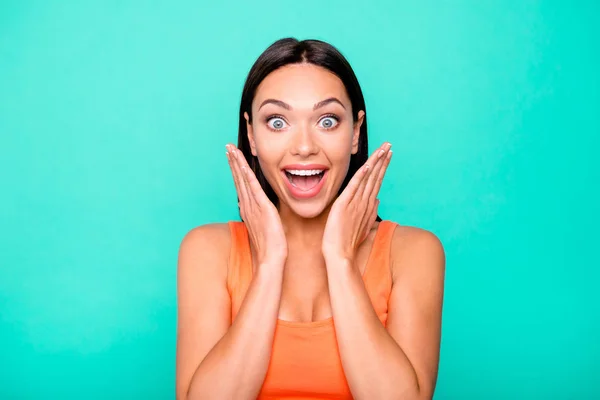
x=209, y=235
x=416, y=251
x=203, y=302
x=416, y=301
x=205, y=247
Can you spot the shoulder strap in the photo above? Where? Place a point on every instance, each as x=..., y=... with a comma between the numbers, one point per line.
x=378, y=274
x=239, y=272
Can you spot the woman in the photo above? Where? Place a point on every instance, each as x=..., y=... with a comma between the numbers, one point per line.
x=312, y=296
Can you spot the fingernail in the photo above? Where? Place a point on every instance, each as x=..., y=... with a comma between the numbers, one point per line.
x=390, y=155
x=227, y=154
x=380, y=153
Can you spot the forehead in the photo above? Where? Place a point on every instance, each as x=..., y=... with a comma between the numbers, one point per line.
x=301, y=85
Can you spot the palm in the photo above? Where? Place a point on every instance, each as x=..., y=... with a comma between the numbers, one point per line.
x=258, y=212
x=354, y=212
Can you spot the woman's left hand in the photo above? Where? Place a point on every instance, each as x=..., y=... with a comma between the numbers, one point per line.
x=354, y=212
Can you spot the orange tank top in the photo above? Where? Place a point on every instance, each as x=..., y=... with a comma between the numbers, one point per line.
x=305, y=361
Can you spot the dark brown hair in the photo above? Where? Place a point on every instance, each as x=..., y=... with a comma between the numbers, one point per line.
x=292, y=51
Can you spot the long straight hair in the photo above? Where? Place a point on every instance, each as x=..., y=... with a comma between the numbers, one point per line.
x=292, y=51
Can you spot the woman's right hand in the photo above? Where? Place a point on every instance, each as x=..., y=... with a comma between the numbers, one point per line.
x=258, y=212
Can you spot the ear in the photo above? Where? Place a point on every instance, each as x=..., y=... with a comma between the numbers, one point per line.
x=250, y=134
x=356, y=131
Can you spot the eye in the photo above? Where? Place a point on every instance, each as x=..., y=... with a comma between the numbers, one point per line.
x=329, y=122
x=276, y=123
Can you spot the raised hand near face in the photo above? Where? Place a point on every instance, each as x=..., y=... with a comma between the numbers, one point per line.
x=354, y=212
x=258, y=212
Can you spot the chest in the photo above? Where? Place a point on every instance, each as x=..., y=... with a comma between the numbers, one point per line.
x=305, y=364
x=305, y=292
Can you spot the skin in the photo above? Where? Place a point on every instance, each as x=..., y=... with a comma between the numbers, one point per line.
x=308, y=257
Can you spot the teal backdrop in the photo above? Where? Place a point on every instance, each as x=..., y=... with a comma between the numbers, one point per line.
x=113, y=121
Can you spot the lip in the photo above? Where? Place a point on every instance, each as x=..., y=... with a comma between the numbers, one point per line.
x=305, y=166
x=301, y=194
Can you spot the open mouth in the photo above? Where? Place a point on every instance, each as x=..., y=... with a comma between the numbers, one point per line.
x=304, y=180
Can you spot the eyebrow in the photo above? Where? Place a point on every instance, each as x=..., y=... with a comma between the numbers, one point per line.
x=320, y=104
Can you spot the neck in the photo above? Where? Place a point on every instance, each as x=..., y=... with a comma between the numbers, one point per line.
x=307, y=231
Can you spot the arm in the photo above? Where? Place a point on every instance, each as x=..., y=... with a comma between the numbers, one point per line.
x=216, y=360
x=400, y=362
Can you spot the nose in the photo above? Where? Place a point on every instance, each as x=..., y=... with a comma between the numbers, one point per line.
x=304, y=143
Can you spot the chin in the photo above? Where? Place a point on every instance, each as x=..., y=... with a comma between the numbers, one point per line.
x=307, y=210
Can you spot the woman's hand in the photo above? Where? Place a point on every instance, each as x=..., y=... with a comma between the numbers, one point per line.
x=258, y=212
x=354, y=212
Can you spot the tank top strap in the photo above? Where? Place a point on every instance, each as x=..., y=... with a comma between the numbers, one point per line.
x=378, y=274
x=239, y=272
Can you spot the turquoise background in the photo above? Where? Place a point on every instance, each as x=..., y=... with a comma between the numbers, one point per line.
x=113, y=121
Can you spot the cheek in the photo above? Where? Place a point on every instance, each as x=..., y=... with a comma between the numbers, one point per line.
x=268, y=152
x=267, y=146
x=339, y=146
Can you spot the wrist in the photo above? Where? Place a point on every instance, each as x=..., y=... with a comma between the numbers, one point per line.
x=270, y=268
x=338, y=261
x=337, y=255
x=273, y=259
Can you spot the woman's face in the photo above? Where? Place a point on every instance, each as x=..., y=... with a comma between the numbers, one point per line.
x=303, y=134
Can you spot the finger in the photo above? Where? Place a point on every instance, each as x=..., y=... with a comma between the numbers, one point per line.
x=370, y=221
x=255, y=188
x=359, y=177
x=244, y=168
x=382, y=171
x=233, y=174
x=374, y=214
x=239, y=178
x=371, y=162
x=382, y=159
x=352, y=187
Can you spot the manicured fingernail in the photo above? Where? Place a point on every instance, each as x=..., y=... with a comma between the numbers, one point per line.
x=389, y=156
x=380, y=153
x=227, y=154
x=389, y=146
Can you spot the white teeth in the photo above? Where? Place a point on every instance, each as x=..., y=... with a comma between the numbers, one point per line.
x=304, y=172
